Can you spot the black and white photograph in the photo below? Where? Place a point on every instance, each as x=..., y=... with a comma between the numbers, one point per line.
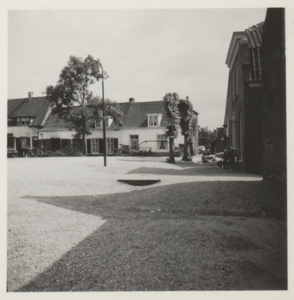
x=147, y=150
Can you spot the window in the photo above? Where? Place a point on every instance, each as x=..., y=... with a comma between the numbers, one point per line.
x=162, y=141
x=153, y=121
x=95, y=145
x=241, y=135
x=233, y=82
x=10, y=141
x=134, y=141
x=108, y=121
x=233, y=85
x=9, y=122
x=99, y=123
x=236, y=79
x=24, y=121
x=110, y=146
x=230, y=88
x=233, y=132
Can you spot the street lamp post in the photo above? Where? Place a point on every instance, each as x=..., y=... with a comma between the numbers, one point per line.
x=103, y=121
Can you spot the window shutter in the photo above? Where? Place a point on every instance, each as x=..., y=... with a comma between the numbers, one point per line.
x=18, y=141
x=101, y=146
x=88, y=145
x=28, y=142
x=115, y=144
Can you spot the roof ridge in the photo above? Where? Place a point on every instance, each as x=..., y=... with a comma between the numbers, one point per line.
x=141, y=101
x=27, y=98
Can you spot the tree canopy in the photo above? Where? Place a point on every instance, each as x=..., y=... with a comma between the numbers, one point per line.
x=206, y=137
x=185, y=107
x=205, y=134
x=171, y=101
x=73, y=101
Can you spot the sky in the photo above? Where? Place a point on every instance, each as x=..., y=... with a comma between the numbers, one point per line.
x=146, y=52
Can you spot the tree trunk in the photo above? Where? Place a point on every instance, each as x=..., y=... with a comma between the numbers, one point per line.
x=185, y=156
x=171, y=150
x=84, y=144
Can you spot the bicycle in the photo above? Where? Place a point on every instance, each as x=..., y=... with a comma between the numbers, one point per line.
x=228, y=159
x=30, y=152
x=41, y=152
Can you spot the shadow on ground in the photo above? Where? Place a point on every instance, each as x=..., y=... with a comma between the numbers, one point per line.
x=192, y=169
x=191, y=236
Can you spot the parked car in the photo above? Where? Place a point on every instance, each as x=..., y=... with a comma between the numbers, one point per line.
x=12, y=152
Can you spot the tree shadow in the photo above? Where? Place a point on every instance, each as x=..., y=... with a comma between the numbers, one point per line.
x=161, y=239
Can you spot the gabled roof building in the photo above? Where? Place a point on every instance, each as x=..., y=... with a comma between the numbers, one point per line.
x=255, y=113
x=142, y=126
x=25, y=118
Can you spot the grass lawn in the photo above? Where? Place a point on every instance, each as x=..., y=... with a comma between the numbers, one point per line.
x=186, y=236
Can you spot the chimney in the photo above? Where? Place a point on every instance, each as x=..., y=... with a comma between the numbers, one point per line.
x=131, y=100
x=187, y=97
x=31, y=94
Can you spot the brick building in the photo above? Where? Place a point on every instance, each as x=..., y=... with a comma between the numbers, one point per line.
x=243, y=104
x=274, y=93
x=255, y=115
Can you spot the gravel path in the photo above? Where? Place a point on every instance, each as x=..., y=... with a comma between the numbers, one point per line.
x=56, y=207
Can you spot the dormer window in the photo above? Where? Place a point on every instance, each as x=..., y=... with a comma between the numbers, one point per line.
x=154, y=120
x=98, y=124
x=108, y=122
x=24, y=121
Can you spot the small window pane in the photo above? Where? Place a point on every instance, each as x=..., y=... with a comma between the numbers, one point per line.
x=162, y=142
x=110, y=145
x=134, y=141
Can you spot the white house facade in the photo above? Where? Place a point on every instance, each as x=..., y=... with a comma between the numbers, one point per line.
x=25, y=118
x=31, y=121
x=143, y=127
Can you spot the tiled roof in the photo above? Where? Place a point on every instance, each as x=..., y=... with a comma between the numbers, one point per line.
x=134, y=115
x=36, y=107
x=54, y=123
x=254, y=37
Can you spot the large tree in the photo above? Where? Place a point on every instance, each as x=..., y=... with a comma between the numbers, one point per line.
x=206, y=136
x=186, y=114
x=171, y=101
x=72, y=100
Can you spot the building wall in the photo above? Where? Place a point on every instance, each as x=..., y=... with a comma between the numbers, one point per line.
x=236, y=113
x=22, y=131
x=147, y=136
x=260, y=134
x=274, y=98
x=253, y=128
x=18, y=133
